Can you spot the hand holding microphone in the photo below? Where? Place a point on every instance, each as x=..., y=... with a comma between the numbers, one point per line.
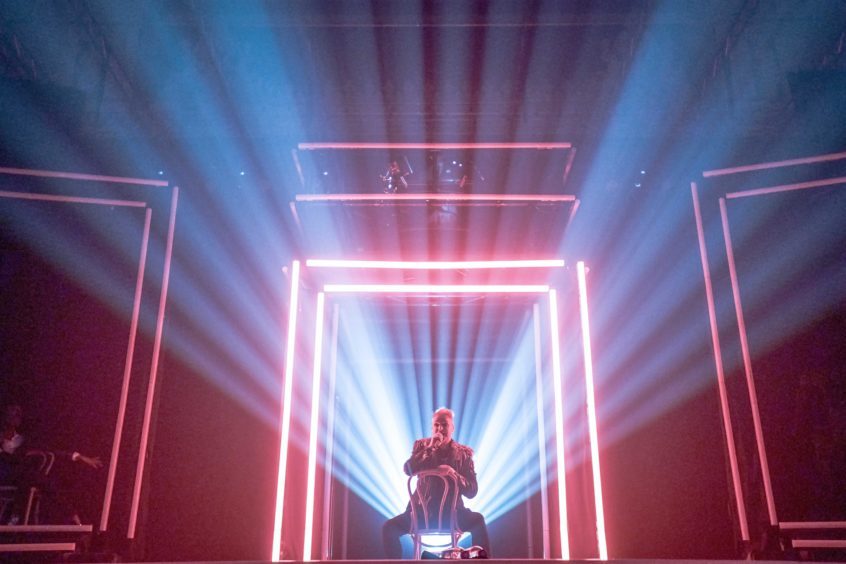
x=434, y=442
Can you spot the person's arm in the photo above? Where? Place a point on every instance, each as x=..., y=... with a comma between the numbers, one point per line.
x=468, y=486
x=92, y=461
x=462, y=468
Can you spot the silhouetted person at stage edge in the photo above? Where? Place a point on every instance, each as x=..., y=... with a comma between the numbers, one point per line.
x=19, y=468
x=439, y=451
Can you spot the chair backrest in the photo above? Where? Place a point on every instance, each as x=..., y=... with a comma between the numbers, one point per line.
x=421, y=520
x=43, y=461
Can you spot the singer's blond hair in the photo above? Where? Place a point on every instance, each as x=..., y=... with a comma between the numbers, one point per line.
x=444, y=411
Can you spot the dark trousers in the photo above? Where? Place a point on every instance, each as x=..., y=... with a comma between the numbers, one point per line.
x=469, y=521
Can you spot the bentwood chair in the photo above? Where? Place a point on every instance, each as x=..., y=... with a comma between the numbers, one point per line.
x=428, y=523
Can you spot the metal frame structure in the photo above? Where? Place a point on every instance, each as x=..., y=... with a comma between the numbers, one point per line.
x=744, y=343
x=130, y=349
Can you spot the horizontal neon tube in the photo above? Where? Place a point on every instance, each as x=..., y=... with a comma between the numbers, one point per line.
x=787, y=187
x=71, y=199
x=355, y=145
x=774, y=164
x=370, y=197
x=437, y=288
x=796, y=525
x=434, y=265
x=82, y=176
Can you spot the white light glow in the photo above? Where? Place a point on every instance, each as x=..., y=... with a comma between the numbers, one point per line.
x=286, y=413
x=591, y=413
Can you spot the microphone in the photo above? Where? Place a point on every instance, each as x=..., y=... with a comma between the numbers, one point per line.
x=436, y=440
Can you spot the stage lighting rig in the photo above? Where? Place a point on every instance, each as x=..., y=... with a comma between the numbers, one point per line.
x=451, y=174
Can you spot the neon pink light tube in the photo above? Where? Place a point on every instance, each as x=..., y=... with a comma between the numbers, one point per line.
x=559, y=427
x=571, y=156
x=72, y=199
x=312, y=433
x=325, y=548
x=400, y=146
x=285, y=419
x=434, y=265
x=818, y=543
x=787, y=187
x=437, y=289
x=591, y=413
x=539, y=397
x=718, y=362
x=774, y=164
x=154, y=370
x=81, y=176
x=747, y=365
x=127, y=373
x=797, y=525
x=434, y=197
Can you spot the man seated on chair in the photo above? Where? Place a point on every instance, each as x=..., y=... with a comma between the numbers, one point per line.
x=18, y=468
x=439, y=452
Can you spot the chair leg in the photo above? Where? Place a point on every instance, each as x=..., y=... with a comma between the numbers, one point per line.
x=32, y=503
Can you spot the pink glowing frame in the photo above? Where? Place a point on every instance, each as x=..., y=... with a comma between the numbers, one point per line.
x=744, y=343
x=718, y=365
x=437, y=290
x=133, y=331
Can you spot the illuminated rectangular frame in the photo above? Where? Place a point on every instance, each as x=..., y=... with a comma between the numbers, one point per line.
x=136, y=307
x=744, y=343
x=438, y=290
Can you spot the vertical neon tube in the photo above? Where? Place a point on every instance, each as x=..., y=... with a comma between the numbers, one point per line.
x=285, y=420
x=127, y=373
x=590, y=398
x=559, y=426
x=541, y=431
x=312, y=433
x=330, y=438
x=718, y=362
x=747, y=365
x=154, y=371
